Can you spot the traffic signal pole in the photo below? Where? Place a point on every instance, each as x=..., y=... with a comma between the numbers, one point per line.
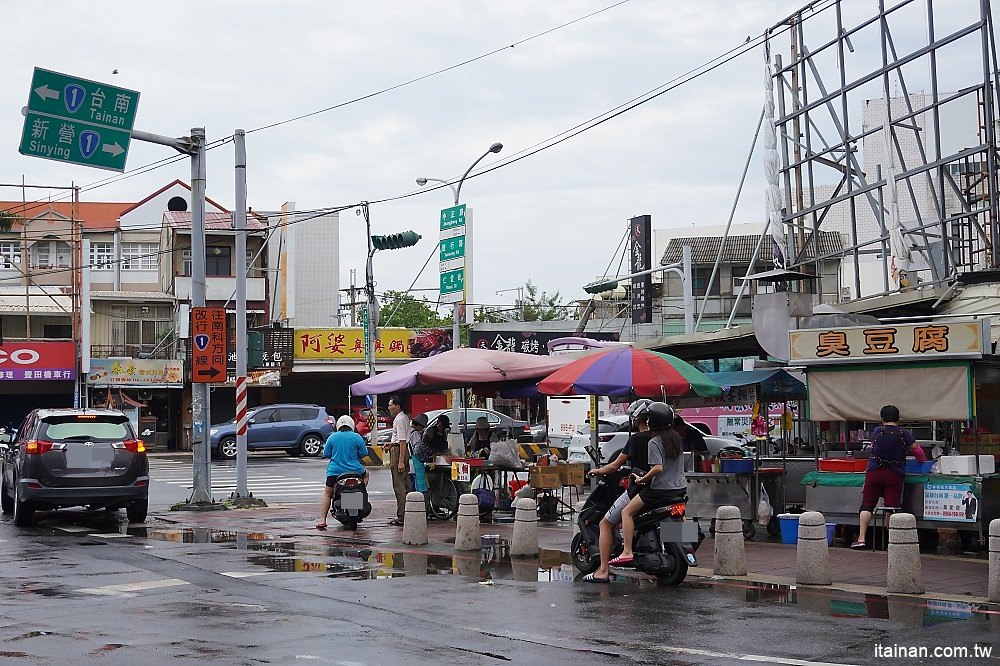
x=240, y=228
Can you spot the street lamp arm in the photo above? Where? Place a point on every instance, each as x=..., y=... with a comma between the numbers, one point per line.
x=424, y=181
x=495, y=148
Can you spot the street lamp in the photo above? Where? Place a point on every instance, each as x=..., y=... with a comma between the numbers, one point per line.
x=458, y=446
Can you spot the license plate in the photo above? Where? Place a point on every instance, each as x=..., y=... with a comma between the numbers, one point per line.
x=352, y=501
x=678, y=532
x=87, y=457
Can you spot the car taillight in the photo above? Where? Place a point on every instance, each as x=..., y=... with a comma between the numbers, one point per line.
x=330, y=421
x=35, y=446
x=350, y=483
x=135, y=445
x=605, y=438
x=526, y=428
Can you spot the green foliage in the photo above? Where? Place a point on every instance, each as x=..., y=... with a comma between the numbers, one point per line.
x=539, y=306
x=7, y=220
x=490, y=315
x=399, y=309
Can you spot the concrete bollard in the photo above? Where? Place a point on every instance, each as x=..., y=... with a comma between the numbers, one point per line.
x=524, y=542
x=577, y=510
x=994, y=570
x=904, y=575
x=812, y=554
x=467, y=525
x=730, y=553
x=415, y=520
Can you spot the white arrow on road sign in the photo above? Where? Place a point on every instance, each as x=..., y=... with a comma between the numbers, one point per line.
x=47, y=93
x=113, y=148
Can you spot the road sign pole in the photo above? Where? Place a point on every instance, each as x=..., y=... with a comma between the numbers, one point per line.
x=240, y=226
x=201, y=417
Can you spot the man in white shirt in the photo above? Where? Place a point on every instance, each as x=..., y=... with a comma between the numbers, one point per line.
x=398, y=456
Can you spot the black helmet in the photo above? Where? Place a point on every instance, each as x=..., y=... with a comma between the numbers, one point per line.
x=661, y=416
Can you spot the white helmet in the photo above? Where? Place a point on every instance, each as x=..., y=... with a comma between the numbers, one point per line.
x=638, y=407
x=345, y=421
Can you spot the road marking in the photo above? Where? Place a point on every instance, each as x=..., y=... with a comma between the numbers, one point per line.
x=125, y=588
x=244, y=574
x=109, y=535
x=741, y=657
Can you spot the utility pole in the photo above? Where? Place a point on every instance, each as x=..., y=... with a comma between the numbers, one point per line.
x=240, y=228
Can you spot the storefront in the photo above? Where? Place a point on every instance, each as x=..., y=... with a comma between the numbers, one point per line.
x=934, y=373
x=149, y=391
x=35, y=375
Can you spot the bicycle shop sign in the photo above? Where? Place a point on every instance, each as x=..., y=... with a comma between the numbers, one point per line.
x=33, y=361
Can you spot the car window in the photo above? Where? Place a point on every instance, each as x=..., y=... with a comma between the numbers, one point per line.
x=308, y=413
x=494, y=418
x=105, y=427
x=286, y=414
x=265, y=416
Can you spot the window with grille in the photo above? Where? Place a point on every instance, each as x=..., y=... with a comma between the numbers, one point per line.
x=140, y=256
x=10, y=254
x=699, y=282
x=50, y=254
x=102, y=256
x=186, y=262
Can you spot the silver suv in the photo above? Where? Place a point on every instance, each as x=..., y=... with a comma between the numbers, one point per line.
x=74, y=457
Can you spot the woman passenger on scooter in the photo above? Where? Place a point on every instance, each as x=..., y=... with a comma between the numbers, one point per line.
x=345, y=449
x=664, y=481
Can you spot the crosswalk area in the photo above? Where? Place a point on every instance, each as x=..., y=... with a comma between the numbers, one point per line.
x=293, y=481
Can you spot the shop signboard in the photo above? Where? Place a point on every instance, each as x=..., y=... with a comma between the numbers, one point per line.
x=257, y=378
x=950, y=501
x=144, y=372
x=340, y=344
x=528, y=342
x=641, y=233
x=879, y=343
x=731, y=395
x=33, y=361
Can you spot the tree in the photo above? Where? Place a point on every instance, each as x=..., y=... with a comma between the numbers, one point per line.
x=494, y=315
x=539, y=306
x=7, y=220
x=399, y=309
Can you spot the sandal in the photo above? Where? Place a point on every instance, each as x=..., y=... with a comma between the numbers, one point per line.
x=591, y=578
x=858, y=545
x=396, y=522
x=622, y=561
x=321, y=527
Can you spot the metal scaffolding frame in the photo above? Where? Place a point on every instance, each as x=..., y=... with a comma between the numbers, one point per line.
x=951, y=193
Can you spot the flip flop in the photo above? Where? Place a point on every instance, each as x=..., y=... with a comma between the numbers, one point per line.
x=591, y=578
x=858, y=545
x=622, y=561
x=321, y=526
x=396, y=521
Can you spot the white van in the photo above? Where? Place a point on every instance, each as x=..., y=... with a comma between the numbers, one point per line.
x=570, y=414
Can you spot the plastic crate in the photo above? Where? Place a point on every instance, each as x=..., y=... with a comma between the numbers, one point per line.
x=736, y=466
x=915, y=467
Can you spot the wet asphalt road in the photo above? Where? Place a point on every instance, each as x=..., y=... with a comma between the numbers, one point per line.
x=84, y=588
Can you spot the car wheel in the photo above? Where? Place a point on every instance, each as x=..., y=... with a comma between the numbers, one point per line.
x=311, y=446
x=137, y=512
x=6, y=501
x=24, y=511
x=226, y=448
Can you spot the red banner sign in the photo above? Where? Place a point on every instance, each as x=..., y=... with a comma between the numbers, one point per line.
x=33, y=361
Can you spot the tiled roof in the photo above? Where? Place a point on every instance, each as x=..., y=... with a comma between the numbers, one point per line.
x=739, y=249
x=96, y=215
x=131, y=296
x=164, y=189
x=213, y=221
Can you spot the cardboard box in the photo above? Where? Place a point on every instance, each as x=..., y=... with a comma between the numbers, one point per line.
x=571, y=474
x=544, y=477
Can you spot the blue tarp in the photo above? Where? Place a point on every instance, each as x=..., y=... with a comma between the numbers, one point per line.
x=775, y=384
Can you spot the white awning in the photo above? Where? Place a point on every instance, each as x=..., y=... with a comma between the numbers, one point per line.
x=57, y=304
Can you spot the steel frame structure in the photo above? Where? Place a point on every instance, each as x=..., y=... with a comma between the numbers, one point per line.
x=818, y=140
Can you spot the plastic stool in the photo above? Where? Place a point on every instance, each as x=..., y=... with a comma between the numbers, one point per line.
x=884, y=512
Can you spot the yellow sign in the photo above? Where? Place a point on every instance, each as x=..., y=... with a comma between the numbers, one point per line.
x=888, y=342
x=349, y=343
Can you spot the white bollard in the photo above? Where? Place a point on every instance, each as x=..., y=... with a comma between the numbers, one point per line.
x=577, y=510
x=904, y=575
x=524, y=542
x=812, y=553
x=730, y=553
x=415, y=520
x=467, y=525
x=994, y=570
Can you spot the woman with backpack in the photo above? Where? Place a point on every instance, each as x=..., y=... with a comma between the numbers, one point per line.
x=886, y=468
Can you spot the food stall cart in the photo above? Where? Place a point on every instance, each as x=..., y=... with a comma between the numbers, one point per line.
x=738, y=482
x=931, y=372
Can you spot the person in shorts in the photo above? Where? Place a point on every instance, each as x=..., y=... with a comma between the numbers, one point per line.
x=346, y=451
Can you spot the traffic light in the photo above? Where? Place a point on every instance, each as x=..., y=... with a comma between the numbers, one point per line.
x=600, y=286
x=395, y=241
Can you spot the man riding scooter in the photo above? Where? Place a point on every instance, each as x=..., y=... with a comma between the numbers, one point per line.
x=635, y=453
x=346, y=450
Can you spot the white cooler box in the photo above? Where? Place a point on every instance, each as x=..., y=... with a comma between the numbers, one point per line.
x=966, y=465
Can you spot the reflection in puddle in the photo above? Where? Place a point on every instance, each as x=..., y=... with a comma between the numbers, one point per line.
x=198, y=535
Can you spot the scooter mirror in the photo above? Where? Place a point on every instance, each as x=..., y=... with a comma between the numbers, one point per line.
x=592, y=452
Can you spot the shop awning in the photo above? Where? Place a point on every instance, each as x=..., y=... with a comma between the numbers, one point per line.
x=776, y=384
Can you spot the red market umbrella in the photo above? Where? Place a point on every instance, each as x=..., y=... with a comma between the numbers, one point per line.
x=626, y=372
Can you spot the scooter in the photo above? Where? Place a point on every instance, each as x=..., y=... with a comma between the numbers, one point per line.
x=664, y=544
x=350, y=503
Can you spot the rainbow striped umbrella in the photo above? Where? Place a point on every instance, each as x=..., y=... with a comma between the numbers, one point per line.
x=626, y=372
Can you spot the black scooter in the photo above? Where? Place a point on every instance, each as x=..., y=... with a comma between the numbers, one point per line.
x=663, y=543
x=350, y=500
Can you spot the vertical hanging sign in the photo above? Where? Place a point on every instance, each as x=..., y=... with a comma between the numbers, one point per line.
x=641, y=231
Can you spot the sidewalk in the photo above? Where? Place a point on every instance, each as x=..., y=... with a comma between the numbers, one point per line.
x=945, y=577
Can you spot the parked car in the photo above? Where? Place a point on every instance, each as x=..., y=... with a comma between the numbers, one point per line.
x=499, y=423
x=612, y=432
x=74, y=457
x=360, y=415
x=300, y=429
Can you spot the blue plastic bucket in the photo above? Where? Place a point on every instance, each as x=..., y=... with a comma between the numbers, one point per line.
x=789, y=527
x=831, y=529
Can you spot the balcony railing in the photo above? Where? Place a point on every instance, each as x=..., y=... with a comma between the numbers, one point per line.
x=132, y=351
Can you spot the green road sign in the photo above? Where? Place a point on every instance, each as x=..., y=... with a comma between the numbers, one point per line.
x=453, y=217
x=453, y=284
x=74, y=120
x=453, y=248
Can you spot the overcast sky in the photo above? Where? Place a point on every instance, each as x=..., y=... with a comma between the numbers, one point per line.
x=555, y=218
